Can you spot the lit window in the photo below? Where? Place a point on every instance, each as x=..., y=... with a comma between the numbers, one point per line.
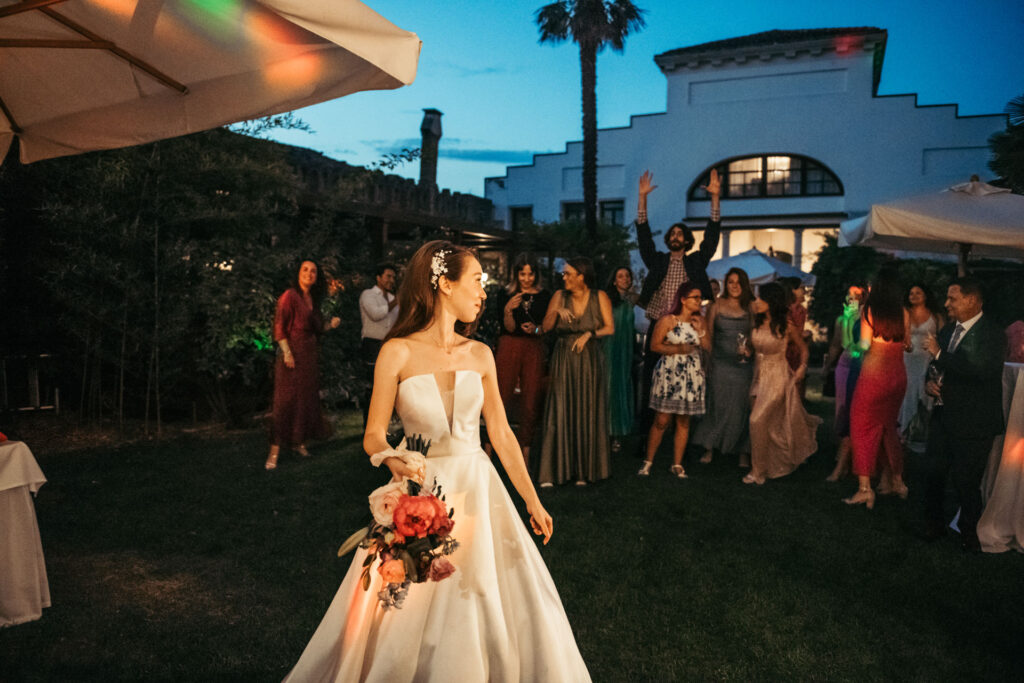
x=770, y=176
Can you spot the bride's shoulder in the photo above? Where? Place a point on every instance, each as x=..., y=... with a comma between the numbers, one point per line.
x=394, y=351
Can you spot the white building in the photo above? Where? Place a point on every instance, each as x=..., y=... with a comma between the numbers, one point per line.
x=794, y=124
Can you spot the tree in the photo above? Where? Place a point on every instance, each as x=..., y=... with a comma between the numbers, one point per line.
x=593, y=25
x=1008, y=147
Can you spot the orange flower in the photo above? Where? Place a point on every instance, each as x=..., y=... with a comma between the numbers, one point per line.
x=414, y=516
x=392, y=571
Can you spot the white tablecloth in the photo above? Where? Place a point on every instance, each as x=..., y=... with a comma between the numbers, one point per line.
x=24, y=591
x=1001, y=526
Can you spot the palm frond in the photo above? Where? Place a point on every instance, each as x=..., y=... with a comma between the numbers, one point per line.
x=553, y=22
x=1015, y=110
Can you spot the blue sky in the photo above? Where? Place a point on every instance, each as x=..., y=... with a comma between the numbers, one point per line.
x=505, y=97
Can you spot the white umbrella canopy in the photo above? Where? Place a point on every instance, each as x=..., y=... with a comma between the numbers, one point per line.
x=989, y=219
x=759, y=267
x=83, y=75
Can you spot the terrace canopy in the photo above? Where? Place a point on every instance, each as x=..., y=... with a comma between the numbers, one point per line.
x=971, y=218
x=759, y=267
x=82, y=75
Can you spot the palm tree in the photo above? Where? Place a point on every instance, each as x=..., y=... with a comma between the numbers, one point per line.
x=592, y=24
x=1008, y=147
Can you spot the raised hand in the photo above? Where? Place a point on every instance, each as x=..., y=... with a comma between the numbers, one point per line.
x=645, y=187
x=714, y=185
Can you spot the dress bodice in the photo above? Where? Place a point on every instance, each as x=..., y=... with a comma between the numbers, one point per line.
x=683, y=333
x=589, y=321
x=421, y=407
x=766, y=343
x=725, y=345
x=918, y=333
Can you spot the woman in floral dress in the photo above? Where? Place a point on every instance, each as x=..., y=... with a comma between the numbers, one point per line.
x=677, y=386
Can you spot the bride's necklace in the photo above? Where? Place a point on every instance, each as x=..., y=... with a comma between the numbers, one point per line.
x=441, y=345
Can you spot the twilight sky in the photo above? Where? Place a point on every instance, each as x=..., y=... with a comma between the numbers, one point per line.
x=505, y=97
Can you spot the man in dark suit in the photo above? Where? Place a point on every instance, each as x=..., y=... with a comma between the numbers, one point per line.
x=969, y=353
x=667, y=271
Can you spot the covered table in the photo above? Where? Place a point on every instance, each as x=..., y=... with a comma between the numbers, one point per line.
x=1001, y=526
x=24, y=591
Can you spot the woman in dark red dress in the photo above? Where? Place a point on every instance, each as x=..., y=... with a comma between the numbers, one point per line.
x=520, y=356
x=297, y=329
x=880, y=388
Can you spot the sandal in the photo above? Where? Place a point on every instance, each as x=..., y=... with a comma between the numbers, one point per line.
x=678, y=471
x=301, y=450
x=271, y=463
x=645, y=469
x=706, y=458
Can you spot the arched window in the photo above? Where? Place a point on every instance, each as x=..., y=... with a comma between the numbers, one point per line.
x=770, y=176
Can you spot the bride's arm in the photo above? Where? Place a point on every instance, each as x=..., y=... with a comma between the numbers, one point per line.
x=393, y=356
x=505, y=443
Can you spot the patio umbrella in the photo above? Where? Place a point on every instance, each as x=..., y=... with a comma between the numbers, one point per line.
x=973, y=217
x=82, y=75
x=759, y=267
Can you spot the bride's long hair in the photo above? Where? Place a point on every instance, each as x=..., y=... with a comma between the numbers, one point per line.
x=418, y=294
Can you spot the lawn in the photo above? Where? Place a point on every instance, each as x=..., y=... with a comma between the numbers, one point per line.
x=184, y=560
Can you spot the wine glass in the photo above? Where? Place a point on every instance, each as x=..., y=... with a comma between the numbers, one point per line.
x=741, y=347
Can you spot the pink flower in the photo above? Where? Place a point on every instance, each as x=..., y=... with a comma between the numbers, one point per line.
x=384, y=500
x=441, y=568
x=392, y=571
x=414, y=516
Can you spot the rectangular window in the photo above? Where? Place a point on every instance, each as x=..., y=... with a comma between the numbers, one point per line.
x=783, y=176
x=572, y=212
x=520, y=217
x=745, y=178
x=613, y=212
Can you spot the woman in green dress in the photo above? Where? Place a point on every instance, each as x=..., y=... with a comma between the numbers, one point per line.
x=618, y=348
x=576, y=410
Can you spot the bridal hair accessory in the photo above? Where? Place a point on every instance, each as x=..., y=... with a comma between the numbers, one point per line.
x=410, y=531
x=437, y=266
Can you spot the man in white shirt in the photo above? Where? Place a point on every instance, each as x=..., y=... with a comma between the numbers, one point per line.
x=378, y=310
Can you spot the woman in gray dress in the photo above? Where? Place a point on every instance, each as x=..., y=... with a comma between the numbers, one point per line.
x=725, y=426
x=575, y=445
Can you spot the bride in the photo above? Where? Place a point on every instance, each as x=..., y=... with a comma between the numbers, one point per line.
x=499, y=617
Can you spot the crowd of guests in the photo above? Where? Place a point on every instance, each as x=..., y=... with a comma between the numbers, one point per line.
x=723, y=366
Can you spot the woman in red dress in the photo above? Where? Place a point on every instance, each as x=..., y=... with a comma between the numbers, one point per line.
x=880, y=388
x=297, y=329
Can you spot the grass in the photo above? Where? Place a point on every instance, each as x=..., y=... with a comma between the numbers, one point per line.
x=184, y=560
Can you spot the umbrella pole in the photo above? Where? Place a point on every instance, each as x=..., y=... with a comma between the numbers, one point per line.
x=961, y=265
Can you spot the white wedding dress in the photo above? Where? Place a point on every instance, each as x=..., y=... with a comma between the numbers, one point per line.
x=497, y=618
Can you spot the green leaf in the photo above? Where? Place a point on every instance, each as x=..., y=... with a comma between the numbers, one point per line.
x=354, y=540
x=366, y=579
x=410, y=566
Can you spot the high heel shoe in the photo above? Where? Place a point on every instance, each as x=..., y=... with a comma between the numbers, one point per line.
x=271, y=463
x=645, y=469
x=751, y=479
x=678, y=471
x=301, y=450
x=866, y=496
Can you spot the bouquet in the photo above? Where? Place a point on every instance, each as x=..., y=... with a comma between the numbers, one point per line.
x=410, y=532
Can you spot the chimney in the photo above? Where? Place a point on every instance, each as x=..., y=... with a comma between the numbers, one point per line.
x=431, y=130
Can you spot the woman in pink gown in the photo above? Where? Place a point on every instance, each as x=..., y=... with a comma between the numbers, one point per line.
x=782, y=434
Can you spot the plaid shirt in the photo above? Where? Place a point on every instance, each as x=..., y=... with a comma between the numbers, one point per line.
x=661, y=303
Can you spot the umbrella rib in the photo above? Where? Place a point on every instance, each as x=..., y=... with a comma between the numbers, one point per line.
x=10, y=119
x=63, y=44
x=26, y=6
x=114, y=49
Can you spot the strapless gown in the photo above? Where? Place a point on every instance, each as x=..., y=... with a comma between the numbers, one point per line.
x=497, y=618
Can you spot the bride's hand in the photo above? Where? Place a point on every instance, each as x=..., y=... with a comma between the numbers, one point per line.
x=400, y=470
x=541, y=521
